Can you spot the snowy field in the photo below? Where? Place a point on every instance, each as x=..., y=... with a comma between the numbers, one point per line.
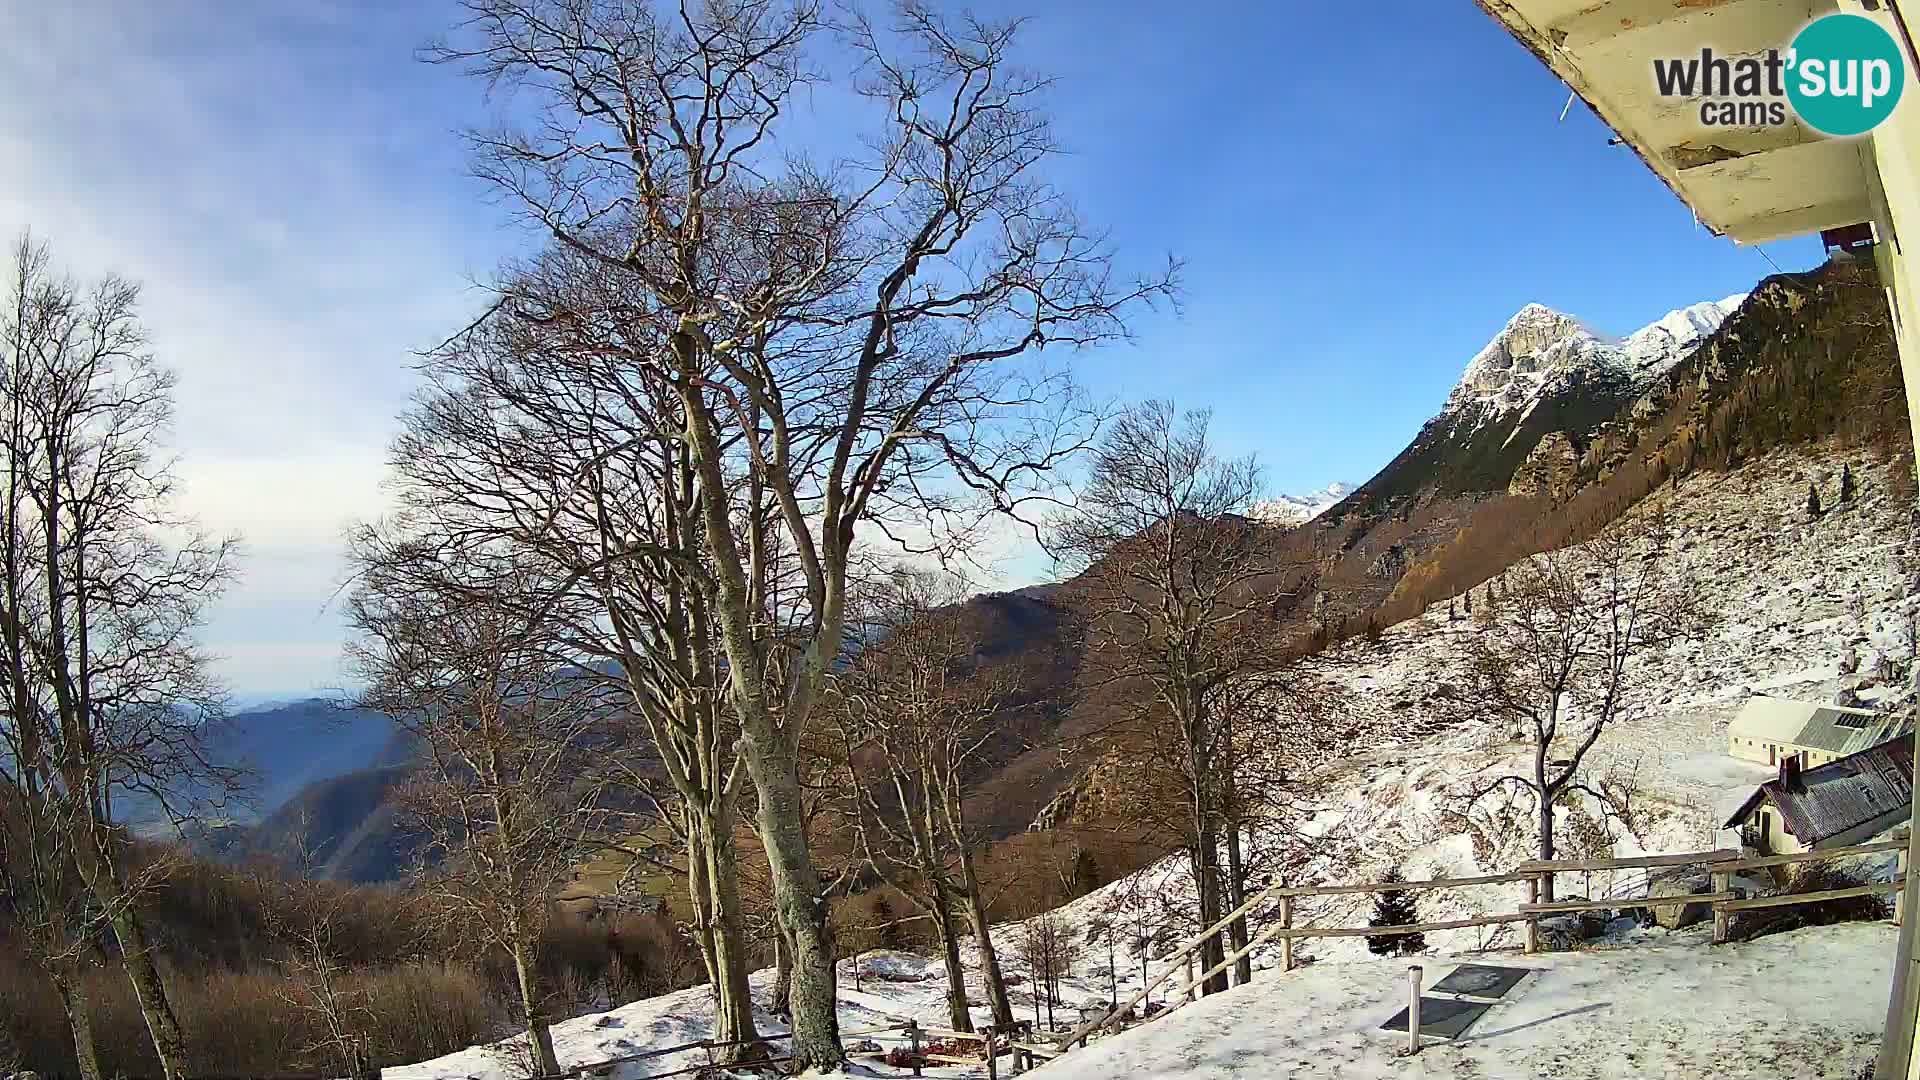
x=894, y=987
x=1796, y=598
x=1808, y=1004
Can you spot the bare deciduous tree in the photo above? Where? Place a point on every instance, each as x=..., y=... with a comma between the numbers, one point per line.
x=1573, y=634
x=1186, y=598
x=913, y=703
x=1050, y=948
x=505, y=720
x=841, y=341
x=305, y=915
x=537, y=435
x=106, y=694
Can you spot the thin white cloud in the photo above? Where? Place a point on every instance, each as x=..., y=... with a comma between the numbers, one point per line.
x=298, y=229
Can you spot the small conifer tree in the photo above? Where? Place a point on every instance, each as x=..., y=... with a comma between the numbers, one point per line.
x=1395, y=908
x=1846, y=484
x=1813, y=500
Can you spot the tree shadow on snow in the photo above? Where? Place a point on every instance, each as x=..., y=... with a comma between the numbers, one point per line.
x=1482, y=1036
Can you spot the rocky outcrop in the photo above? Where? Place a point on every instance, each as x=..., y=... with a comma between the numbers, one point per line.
x=1391, y=564
x=1550, y=469
x=1683, y=912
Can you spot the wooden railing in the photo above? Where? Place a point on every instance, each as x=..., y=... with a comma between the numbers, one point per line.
x=1016, y=1043
x=1026, y=1047
x=1723, y=899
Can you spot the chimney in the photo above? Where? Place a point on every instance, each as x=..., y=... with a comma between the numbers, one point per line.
x=1789, y=768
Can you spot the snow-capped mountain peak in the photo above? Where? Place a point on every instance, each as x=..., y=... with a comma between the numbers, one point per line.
x=1542, y=351
x=1299, y=509
x=1663, y=342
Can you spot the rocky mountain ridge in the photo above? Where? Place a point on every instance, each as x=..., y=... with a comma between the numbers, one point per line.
x=1300, y=509
x=1542, y=352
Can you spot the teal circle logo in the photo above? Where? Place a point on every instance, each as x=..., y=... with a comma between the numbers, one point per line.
x=1844, y=74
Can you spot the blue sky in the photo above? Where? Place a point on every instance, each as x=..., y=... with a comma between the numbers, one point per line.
x=1362, y=201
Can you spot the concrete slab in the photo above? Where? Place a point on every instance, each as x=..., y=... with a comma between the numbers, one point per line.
x=1441, y=1018
x=1480, y=981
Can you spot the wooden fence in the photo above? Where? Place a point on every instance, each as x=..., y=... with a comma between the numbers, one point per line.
x=1025, y=1048
x=1724, y=901
x=1016, y=1044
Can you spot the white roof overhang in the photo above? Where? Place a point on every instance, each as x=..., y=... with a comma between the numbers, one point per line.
x=1753, y=184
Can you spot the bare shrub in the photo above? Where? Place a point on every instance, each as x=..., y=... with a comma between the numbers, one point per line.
x=1811, y=878
x=1049, y=948
x=238, y=1023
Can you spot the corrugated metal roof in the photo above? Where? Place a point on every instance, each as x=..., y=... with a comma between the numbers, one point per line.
x=1847, y=731
x=1829, y=799
x=1831, y=729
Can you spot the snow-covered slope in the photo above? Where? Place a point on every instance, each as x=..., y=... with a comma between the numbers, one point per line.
x=1545, y=375
x=1541, y=352
x=1670, y=1010
x=1299, y=509
x=891, y=989
x=1795, y=598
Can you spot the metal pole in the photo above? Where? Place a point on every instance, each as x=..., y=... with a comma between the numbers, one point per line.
x=1413, y=1008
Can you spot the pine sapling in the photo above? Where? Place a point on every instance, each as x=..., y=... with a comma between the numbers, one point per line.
x=1395, y=907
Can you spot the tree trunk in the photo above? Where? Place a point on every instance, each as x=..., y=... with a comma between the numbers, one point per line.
x=1236, y=881
x=102, y=877
x=771, y=754
x=539, y=1034
x=957, y=1013
x=1546, y=799
x=713, y=884
x=1205, y=835
x=923, y=820
x=733, y=996
x=1546, y=849
x=700, y=898
x=73, y=1000
x=782, y=1003
x=997, y=999
x=801, y=908
x=1206, y=874
x=136, y=954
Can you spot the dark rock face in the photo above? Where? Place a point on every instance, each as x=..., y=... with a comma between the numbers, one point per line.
x=1550, y=470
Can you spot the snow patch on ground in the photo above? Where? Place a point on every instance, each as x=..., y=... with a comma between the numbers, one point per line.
x=1768, y=1008
x=1796, y=597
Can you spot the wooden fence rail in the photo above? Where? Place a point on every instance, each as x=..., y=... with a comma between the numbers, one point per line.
x=1720, y=863
x=1723, y=899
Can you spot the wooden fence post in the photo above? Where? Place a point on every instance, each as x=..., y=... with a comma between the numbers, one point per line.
x=993, y=1071
x=1533, y=923
x=1413, y=1008
x=1286, y=943
x=1722, y=882
x=913, y=1044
